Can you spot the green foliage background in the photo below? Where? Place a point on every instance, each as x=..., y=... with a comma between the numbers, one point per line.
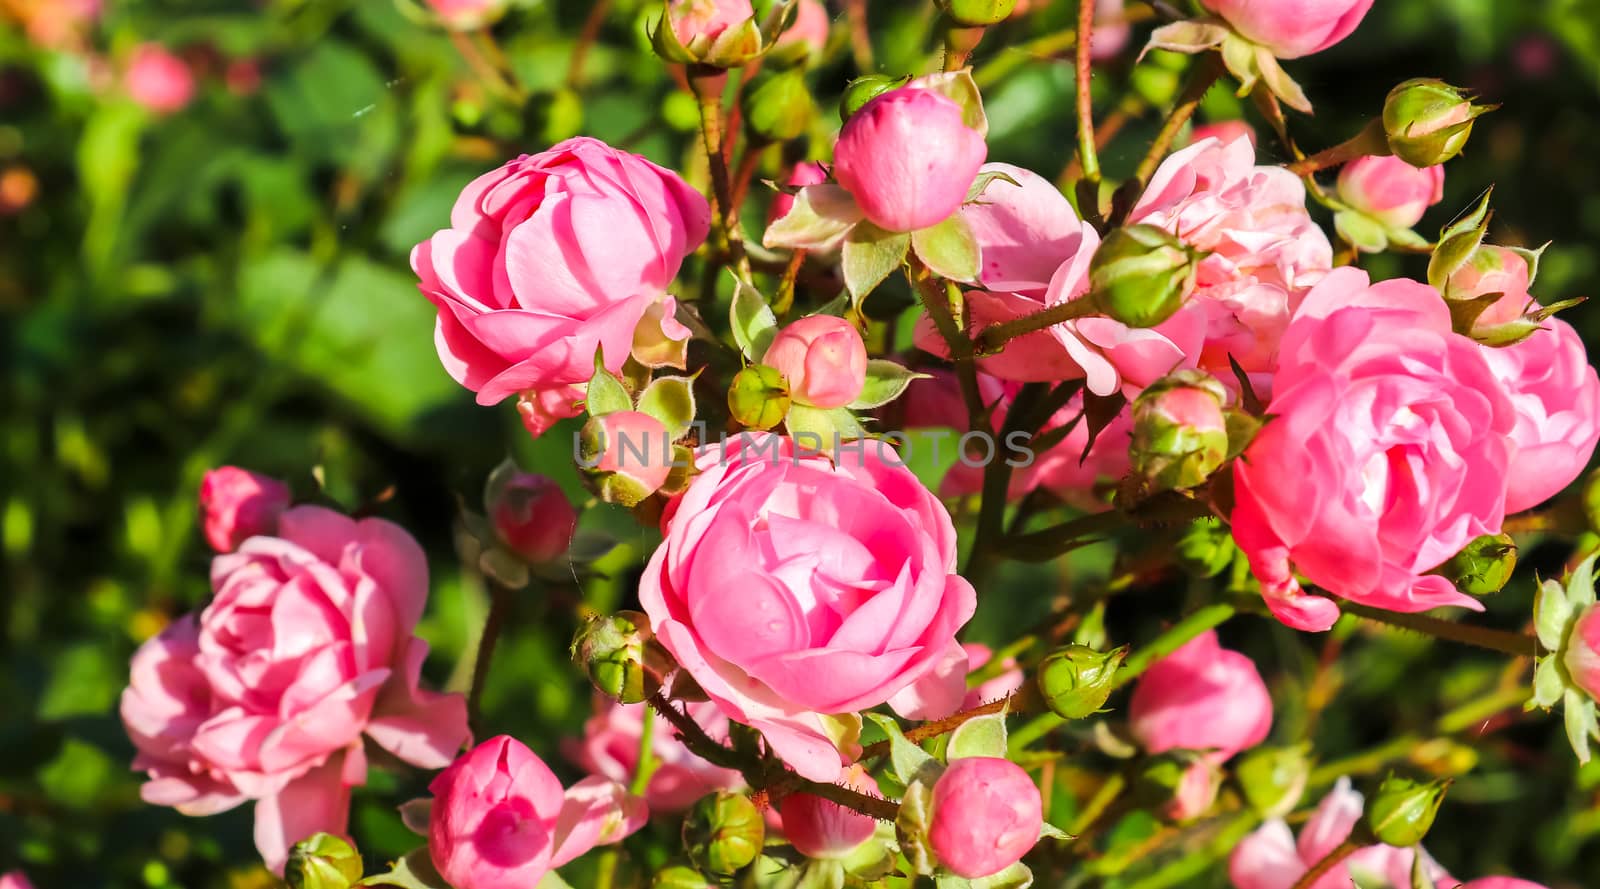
x=230, y=285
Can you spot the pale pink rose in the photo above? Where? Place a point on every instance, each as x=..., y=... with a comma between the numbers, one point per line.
x=610, y=748
x=548, y=258
x=804, y=173
x=705, y=20
x=908, y=158
x=811, y=26
x=157, y=79
x=1224, y=131
x=501, y=820
x=1390, y=190
x=792, y=586
x=1271, y=858
x=1201, y=697
x=819, y=828
x=1394, y=430
x=996, y=687
x=15, y=880
x=1582, y=657
x=307, y=646
x=985, y=815
x=1494, y=269
x=1292, y=28
x=531, y=516
x=236, y=504
x=823, y=359
x=465, y=14
x=1556, y=395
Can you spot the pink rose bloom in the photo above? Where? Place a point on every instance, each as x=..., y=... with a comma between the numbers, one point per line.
x=811, y=26
x=548, y=258
x=466, y=14
x=908, y=158
x=1201, y=697
x=804, y=173
x=985, y=815
x=610, y=749
x=158, y=80
x=1271, y=858
x=706, y=19
x=1292, y=28
x=1556, y=396
x=993, y=689
x=1197, y=790
x=819, y=828
x=1388, y=453
x=1494, y=269
x=1582, y=657
x=792, y=586
x=236, y=504
x=531, y=516
x=1390, y=190
x=307, y=646
x=822, y=358
x=501, y=820
x=1224, y=131
x=15, y=880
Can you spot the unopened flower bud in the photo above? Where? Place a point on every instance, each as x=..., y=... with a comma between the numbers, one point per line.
x=322, y=861
x=1581, y=656
x=862, y=90
x=1483, y=566
x=1389, y=190
x=621, y=656
x=1273, y=778
x=1142, y=275
x=626, y=455
x=1181, y=784
x=759, y=397
x=1076, y=680
x=723, y=832
x=985, y=814
x=679, y=876
x=780, y=107
x=1428, y=121
x=718, y=33
x=979, y=13
x=1180, y=435
x=806, y=37
x=909, y=157
x=1403, y=810
x=467, y=15
x=823, y=360
x=530, y=514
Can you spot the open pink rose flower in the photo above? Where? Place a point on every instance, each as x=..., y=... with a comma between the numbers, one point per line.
x=1272, y=858
x=1292, y=28
x=1387, y=453
x=610, y=748
x=792, y=587
x=306, y=650
x=15, y=880
x=548, y=258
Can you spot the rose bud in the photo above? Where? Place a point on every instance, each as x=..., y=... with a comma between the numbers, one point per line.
x=1201, y=697
x=724, y=832
x=236, y=504
x=1483, y=566
x=158, y=80
x=1273, y=778
x=1390, y=190
x=621, y=656
x=979, y=13
x=1141, y=275
x=779, y=107
x=758, y=397
x=718, y=34
x=1180, y=435
x=467, y=15
x=1428, y=121
x=530, y=515
x=323, y=861
x=820, y=828
x=1403, y=810
x=706, y=20
x=626, y=455
x=985, y=815
x=1076, y=680
x=908, y=158
x=858, y=92
x=1290, y=29
x=822, y=358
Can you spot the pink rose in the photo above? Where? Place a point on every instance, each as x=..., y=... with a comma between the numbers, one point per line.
x=706, y=20
x=823, y=359
x=819, y=828
x=1201, y=697
x=1387, y=453
x=467, y=14
x=1582, y=657
x=1292, y=28
x=1556, y=396
x=610, y=749
x=158, y=80
x=1008, y=680
x=985, y=815
x=1390, y=190
x=1224, y=131
x=1271, y=858
x=1197, y=790
x=500, y=819
x=549, y=257
x=15, y=880
x=531, y=516
x=804, y=173
x=908, y=158
x=791, y=586
x=236, y=504
x=307, y=645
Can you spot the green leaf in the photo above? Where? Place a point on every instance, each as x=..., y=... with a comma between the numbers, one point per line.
x=982, y=736
x=948, y=249
x=753, y=323
x=606, y=394
x=1580, y=585
x=821, y=216
x=981, y=184
x=871, y=254
x=820, y=874
x=886, y=381
x=1017, y=876
x=1580, y=722
x=414, y=871
x=670, y=400
x=1048, y=831
x=812, y=429
x=1552, y=615
x=1548, y=683
x=910, y=762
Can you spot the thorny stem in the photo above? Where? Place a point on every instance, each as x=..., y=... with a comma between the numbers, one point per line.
x=1328, y=863
x=1370, y=141
x=937, y=302
x=1502, y=641
x=1204, y=75
x=1083, y=61
x=1045, y=544
x=996, y=336
x=946, y=725
x=707, y=85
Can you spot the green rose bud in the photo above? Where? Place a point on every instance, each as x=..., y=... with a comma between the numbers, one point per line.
x=979, y=13
x=679, y=876
x=1273, y=778
x=1141, y=275
x=1403, y=810
x=864, y=89
x=1076, y=680
x=621, y=656
x=780, y=107
x=1483, y=566
x=1180, y=434
x=759, y=397
x=723, y=832
x=1428, y=121
x=323, y=861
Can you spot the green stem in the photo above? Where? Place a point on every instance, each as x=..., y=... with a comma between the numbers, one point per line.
x=1098, y=804
x=986, y=551
x=1200, y=80
x=1328, y=863
x=1502, y=641
x=1083, y=63
x=646, y=766
x=937, y=303
x=499, y=601
x=707, y=85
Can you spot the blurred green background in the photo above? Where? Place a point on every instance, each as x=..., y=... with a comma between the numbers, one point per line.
x=229, y=284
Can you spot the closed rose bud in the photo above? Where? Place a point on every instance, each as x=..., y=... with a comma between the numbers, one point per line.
x=1428, y=121
x=758, y=397
x=1582, y=654
x=627, y=455
x=822, y=358
x=779, y=107
x=323, y=861
x=1273, y=778
x=979, y=13
x=1290, y=29
x=908, y=158
x=530, y=514
x=1493, y=269
x=621, y=656
x=1180, y=435
x=820, y=828
x=704, y=21
x=236, y=504
x=1403, y=810
x=724, y=832
x=1141, y=275
x=1076, y=680
x=984, y=816
x=1390, y=190
x=1483, y=566
x=858, y=92
x=467, y=15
